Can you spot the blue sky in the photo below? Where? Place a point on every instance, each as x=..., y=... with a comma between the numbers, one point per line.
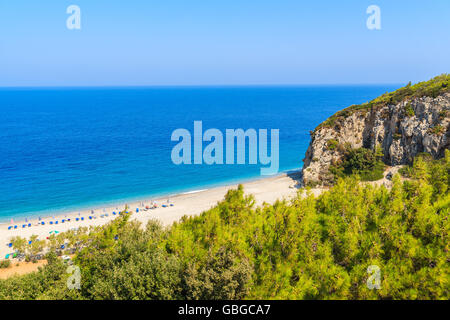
x=234, y=42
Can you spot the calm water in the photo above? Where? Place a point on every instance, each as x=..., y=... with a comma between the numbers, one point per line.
x=62, y=149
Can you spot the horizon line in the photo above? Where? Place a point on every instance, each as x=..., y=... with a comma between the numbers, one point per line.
x=197, y=85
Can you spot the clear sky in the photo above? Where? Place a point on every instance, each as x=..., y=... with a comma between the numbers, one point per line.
x=212, y=42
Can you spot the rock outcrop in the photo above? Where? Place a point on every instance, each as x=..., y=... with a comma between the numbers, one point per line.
x=401, y=130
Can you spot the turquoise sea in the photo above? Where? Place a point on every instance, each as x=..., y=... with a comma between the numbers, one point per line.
x=63, y=149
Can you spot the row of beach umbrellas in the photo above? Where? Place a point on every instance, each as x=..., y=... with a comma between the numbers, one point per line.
x=78, y=219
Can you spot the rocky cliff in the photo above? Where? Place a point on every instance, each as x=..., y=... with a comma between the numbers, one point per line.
x=402, y=129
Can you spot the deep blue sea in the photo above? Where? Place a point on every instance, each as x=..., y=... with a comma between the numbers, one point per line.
x=67, y=148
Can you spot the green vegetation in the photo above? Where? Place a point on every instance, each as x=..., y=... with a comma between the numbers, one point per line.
x=364, y=162
x=332, y=144
x=309, y=248
x=409, y=110
x=426, y=168
x=397, y=136
x=431, y=88
x=5, y=264
x=437, y=130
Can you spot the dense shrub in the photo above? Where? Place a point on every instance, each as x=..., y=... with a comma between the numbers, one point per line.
x=364, y=162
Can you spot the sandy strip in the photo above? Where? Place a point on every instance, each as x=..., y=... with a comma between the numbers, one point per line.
x=21, y=268
x=265, y=190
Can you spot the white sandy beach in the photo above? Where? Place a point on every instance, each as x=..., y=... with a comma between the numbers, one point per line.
x=265, y=190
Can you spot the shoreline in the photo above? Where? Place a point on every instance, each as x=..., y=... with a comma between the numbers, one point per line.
x=267, y=189
x=61, y=212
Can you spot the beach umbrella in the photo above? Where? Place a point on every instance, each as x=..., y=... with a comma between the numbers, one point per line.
x=10, y=227
x=137, y=209
x=29, y=224
x=10, y=245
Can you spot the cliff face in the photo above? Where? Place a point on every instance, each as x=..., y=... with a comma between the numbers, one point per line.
x=402, y=131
